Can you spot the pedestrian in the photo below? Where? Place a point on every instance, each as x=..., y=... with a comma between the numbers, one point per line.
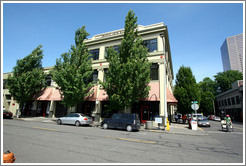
x=176, y=117
x=179, y=117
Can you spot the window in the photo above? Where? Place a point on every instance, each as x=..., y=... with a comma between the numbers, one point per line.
x=104, y=77
x=225, y=102
x=95, y=54
x=5, y=81
x=151, y=45
x=154, y=71
x=229, y=101
x=94, y=77
x=48, y=80
x=233, y=100
x=116, y=48
x=237, y=100
x=8, y=97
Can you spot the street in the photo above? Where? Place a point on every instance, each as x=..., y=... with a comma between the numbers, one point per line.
x=36, y=142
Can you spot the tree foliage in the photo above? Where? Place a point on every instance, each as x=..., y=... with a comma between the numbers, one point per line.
x=208, y=90
x=73, y=71
x=28, y=77
x=129, y=70
x=186, y=90
x=225, y=79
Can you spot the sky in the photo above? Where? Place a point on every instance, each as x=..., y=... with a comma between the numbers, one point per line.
x=196, y=30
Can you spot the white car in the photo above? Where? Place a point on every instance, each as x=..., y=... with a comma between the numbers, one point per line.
x=198, y=116
x=76, y=119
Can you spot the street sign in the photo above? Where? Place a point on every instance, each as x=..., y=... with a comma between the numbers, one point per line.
x=195, y=107
x=194, y=102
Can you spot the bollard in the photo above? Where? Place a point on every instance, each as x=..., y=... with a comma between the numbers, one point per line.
x=167, y=125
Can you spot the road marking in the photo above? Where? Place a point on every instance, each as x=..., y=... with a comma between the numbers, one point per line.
x=134, y=140
x=238, y=128
x=44, y=129
x=200, y=128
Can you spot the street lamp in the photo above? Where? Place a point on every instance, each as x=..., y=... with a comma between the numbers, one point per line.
x=165, y=82
x=213, y=103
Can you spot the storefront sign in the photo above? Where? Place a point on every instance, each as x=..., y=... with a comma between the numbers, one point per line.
x=158, y=120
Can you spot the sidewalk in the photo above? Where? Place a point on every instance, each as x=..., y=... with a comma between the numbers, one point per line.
x=177, y=128
x=174, y=128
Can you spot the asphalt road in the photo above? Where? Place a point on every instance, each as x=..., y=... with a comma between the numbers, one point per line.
x=35, y=142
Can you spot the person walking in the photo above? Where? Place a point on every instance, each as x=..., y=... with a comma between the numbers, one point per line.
x=176, y=117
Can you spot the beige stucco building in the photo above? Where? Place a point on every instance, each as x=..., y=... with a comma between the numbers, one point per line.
x=159, y=103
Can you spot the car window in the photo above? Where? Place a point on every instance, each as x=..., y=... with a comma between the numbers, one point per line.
x=116, y=116
x=70, y=115
x=76, y=115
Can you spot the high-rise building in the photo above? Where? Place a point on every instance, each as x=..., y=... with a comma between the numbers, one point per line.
x=232, y=53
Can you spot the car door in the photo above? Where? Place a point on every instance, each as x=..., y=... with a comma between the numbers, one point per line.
x=114, y=121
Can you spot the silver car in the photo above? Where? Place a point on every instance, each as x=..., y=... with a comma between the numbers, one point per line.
x=76, y=119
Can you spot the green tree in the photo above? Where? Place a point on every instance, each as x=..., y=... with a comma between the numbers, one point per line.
x=207, y=90
x=129, y=70
x=73, y=71
x=206, y=104
x=225, y=79
x=28, y=77
x=186, y=90
x=207, y=84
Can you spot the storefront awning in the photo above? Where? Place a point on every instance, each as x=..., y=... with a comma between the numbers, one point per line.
x=103, y=96
x=56, y=95
x=43, y=94
x=170, y=98
x=93, y=95
x=154, y=93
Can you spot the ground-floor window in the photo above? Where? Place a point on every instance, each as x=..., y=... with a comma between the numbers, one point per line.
x=147, y=110
x=86, y=107
x=61, y=110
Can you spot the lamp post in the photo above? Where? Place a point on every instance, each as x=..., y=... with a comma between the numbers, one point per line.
x=165, y=82
x=213, y=103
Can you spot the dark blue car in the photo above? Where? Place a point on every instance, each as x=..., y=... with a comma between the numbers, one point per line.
x=129, y=122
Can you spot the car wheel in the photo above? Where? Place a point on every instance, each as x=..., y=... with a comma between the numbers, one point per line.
x=105, y=126
x=129, y=128
x=77, y=123
x=59, y=122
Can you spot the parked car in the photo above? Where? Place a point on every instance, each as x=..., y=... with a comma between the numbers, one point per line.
x=217, y=118
x=211, y=117
x=7, y=114
x=199, y=116
x=76, y=119
x=129, y=122
x=204, y=122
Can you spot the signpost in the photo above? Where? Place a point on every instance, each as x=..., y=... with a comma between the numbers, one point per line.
x=195, y=107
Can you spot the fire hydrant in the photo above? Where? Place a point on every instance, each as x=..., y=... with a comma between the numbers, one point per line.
x=8, y=157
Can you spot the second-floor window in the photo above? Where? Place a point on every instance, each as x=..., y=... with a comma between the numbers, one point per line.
x=48, y=80
x=154, y=71
x=94, y=54
x=151, y=45
x=5, y=82
x=116, y=48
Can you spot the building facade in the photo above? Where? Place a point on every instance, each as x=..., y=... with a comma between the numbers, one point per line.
x=160, y=101
x=231, y=102
x=232, y=53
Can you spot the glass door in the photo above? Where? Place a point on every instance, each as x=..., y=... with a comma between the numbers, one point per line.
x=145, y=114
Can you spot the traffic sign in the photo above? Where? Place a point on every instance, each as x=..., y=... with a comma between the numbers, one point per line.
x=194, y=102
x=195, y=106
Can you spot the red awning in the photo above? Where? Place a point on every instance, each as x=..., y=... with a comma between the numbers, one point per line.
x=170, y=98
x=103, y=96
x=56, y=95
x=43, y=94
x=154, y=93
x=93, y=95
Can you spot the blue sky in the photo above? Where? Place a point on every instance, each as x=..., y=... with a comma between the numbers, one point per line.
x=196, y=30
